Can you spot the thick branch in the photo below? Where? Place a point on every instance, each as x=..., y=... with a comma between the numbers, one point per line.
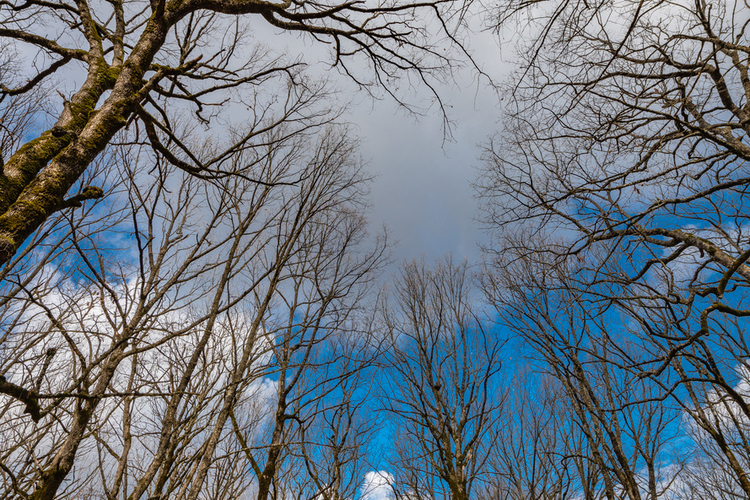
x=27, y=397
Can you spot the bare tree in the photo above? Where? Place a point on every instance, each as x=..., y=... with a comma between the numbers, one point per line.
x=540, y=453
x=619, y=181
x=321, y=424
x=441, y=389
x=140, y=341
x=619, y=432
x=162, y=68
x=18, y=114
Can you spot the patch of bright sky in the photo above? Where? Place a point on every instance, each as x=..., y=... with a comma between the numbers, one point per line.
x=377, y=485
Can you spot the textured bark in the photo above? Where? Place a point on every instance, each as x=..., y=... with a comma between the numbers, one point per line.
x=37, y=177
x=29, y=398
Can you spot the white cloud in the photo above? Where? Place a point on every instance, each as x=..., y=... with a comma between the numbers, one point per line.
x=377, y=485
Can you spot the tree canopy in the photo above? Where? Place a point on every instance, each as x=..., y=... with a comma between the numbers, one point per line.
x=192, y=307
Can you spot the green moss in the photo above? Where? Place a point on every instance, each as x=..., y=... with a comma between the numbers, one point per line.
x=112, y=73
x=92, y=192
x=30, y=159
x=7, y=248
x=16, y=222
x=42, y=146
x=174, y=5
x=18, y=218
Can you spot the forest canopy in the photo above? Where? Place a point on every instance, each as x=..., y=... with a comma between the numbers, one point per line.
x=192, y=305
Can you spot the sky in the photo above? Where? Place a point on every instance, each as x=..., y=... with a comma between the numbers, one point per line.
x=422, y=191
x=422, y=188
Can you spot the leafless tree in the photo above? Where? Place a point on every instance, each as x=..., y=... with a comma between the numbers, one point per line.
x=323, y=420
x=143, y=351
x=442, y=387
x=619, y=182
x=539, y=453
x=619, y=432
x=162, y=68
x=18, y=114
